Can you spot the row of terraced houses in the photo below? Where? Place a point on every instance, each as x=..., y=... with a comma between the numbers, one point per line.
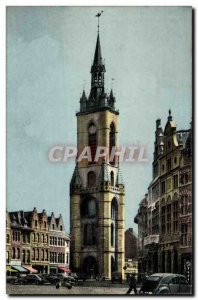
x=36, y=242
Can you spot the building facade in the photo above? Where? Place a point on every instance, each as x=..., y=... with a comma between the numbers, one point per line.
x=131, y=244
x=96, y=189
x=28, y=244
x=166, y=234
x=58, y=245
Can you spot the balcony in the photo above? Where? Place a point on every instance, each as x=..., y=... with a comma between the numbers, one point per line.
x=151, y=239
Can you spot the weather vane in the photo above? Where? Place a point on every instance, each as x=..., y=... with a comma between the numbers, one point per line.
x=98, y=16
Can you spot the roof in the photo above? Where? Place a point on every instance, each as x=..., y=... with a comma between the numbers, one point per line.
x=98, y=53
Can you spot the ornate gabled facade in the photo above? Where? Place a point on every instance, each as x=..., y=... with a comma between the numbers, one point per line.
x=96, y=189
x=58, y=245
x=167, y=201
x=29, y=246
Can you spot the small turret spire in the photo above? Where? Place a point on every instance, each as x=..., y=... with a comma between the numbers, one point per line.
x=170, y=118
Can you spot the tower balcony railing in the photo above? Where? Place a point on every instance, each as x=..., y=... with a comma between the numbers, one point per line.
x=102, y=187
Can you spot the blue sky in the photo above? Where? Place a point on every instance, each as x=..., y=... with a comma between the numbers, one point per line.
x=147, y=51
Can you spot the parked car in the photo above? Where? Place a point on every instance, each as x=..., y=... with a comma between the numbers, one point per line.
x=166, y=283
x=32, y=279
x=82, y=276
x=116, y=277
x=67, y=278
x=51, y=278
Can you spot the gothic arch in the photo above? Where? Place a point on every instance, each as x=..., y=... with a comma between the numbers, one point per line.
x=89, y=208
x=90, y=266
x=91, y=179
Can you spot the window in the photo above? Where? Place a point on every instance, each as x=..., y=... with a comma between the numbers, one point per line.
x=163, y=219
x=45, y=224
x=114, y=209
x=112, y=178
x=46, y=256
x=7, y=238
x=35, y=223
x=24, y=238
x=169, y=164
x=163, y=168
x=175, y=181
x=92, y=141
x=28, y=256
x=163, y=187
x=184, y=230
x=175, y=160
x=169, y=218
x=43, y=238
x=43, y=255
x=112, y=235
x=38, y=237
x=18, y=253
x=53, y=226
x=91, y=179
x=184, y=204
x=50, y=240
x=67, y=258
x=175, y=216
x=88, y=208
x=112, y=141
x=61, y=228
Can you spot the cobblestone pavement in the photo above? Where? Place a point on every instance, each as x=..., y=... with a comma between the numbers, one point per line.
x=51, y=290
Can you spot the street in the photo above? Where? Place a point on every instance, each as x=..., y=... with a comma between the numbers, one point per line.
x=51, y=290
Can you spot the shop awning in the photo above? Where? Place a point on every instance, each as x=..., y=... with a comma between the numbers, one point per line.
x=8, y=268
x=30, y=269
x=64, y=269
x=20, y=269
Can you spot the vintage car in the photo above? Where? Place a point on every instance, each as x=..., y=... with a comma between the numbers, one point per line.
x=166, y=283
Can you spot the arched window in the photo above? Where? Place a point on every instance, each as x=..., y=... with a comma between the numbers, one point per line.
x=112, y=178
x=112, y=235
x=23, y=258
x=88, y=208
x=92, y=140
x=35, y=223
x=43, y=255
x=114, y=209
x=13, y=253
x=61, y=228
x=43, y=238
x=99, y=78
x=91, y=179
x=112, y=141
x=38, y=237
x=18, y=253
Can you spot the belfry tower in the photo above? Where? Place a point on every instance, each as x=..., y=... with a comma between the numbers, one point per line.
x=96, y=188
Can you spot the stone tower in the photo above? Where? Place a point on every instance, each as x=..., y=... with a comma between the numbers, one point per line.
x=96, y=188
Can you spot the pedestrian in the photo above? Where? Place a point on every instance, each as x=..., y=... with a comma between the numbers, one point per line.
x=132, y=284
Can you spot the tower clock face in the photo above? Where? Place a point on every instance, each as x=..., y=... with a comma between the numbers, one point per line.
x=92, y=129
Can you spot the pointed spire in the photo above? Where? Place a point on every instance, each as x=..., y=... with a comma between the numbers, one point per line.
x=170, y=118
x=98, y=53
x=111, y=94
x=83, y=97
